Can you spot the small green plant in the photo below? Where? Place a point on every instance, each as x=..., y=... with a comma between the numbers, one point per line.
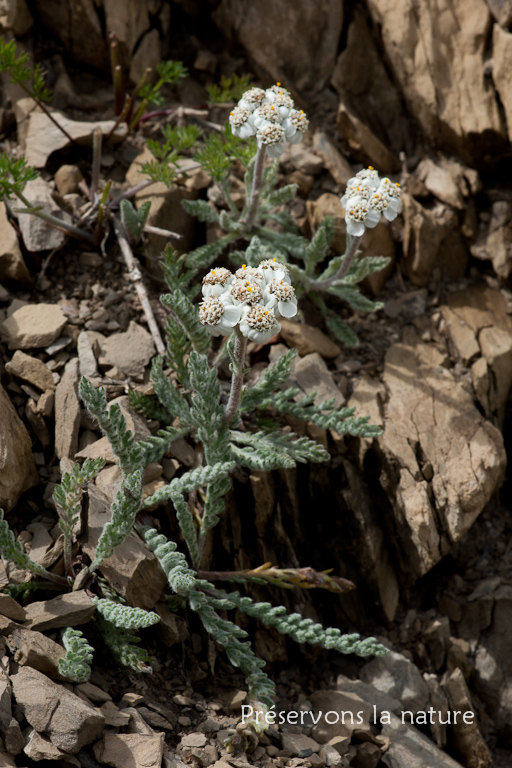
x=229, y=89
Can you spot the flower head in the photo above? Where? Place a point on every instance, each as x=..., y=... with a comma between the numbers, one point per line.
x=259, y=324
x=219, y=315
x=241, y=123
x=245, y=291
x=367, y=198
x=252, y=99
x=281, y=297
x=216, y=281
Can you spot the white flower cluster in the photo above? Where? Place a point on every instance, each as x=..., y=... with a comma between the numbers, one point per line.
x=270, y=116
x=253, y=299
x=367, y=197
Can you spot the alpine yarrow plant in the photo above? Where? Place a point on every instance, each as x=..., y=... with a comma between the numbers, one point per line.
x=76, y=664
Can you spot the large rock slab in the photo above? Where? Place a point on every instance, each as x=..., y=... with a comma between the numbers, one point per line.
x=67, y=610
x=444, y=461
x=67, y=412
x=444, y=83
x=50, y=708
x=301, y=31
x=17, y=467
x=411, y=749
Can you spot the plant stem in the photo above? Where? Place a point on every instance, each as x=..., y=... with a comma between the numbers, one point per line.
x=53, y=221
x=255, y=188
x=47, y=112
x=323, y=285
x=237, y=378
x=136, y=277
x=130, y=193
x=97, y=137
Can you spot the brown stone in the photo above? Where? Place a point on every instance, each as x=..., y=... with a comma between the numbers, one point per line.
x=31, y=370
x=17, y=468
x=67, y=610
x=306, y=339
x=33, y=649
x=67, y=412
x=33, y=326
x=133, y=749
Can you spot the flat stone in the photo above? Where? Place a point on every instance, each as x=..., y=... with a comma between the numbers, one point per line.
x=12, y=264
x=132, y=570
x=33, y=326
x=411, y=749
x=130, y=749
x=130, y=351
x=194, y=740
x=39, y=747
x=33, y=649
x=43, y=137
x=37, y=234
x=18, y=471
x=312, y=375
x=10, y=608
x=51, y=709
x=31, y=370
x=297, y=743
x=306, y=339
x=67, y=179
x=380, y=699
x=93, y=692
x=398, y=678
x=67, y=412
x=461, y=335
x=348, y=705
x=67, y=610
x=87, y=361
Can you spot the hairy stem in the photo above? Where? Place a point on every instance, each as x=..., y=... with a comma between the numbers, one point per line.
x=256, y=187
x=323, y=285
x=237, y=378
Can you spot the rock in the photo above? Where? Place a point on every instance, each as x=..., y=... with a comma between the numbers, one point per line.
x=39, y=747
x=33, y=649
x=31, y=370
x=18, y=471
x=302, y=159
x=398, y=677
x=502, y=61
x=365, y=86
x=447, y=111
x=443, y=180
x=350, y=709
x=469, y=744
x=10, y=608
x=113, y=717
x=312, y=375
x=496, y=346
x=452, y=462
x=130, y=749
x=12, y=264
x=37, y=234
x=99, y=449
x=43, y=137
x=130, y=351
x=33, y=326
x=67, y=610
x=297, y=30
x=363, y=143
x=86, y=359
x=148, y=54
x=339, y=168
x=128, y=23
x=67, y=412
x=462, y=336
x=440, y=705
x=296, y=743
x=306, y=339
x=52, y=709
x=67, y=179
x=331, y=755
x=93, y=692
x=166, y=210
x=194, y=740
x=9, y=727
x=78, y=28
x=132, y=570
x=327, y=205
x=368, y=756
x=109, y=478
x=14, y=15
x=370, y=694
x=411, y=749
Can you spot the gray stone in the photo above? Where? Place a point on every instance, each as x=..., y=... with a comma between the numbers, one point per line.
x=10, y=608
x=296, y=743
x=33, y=649
x=469, y=744
x=33, y=326
x=87, y=361
x=18, y=471
x=194, y=740
x=31, y=370
x=36, y=233
x=52, y=709
x=67, y=412
x=411, y=749
x=312, y=375
x=12, y=265
x=130, y=351
x=67, y=179
x=398, y=677
x=130, y=749
x=67, y=610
